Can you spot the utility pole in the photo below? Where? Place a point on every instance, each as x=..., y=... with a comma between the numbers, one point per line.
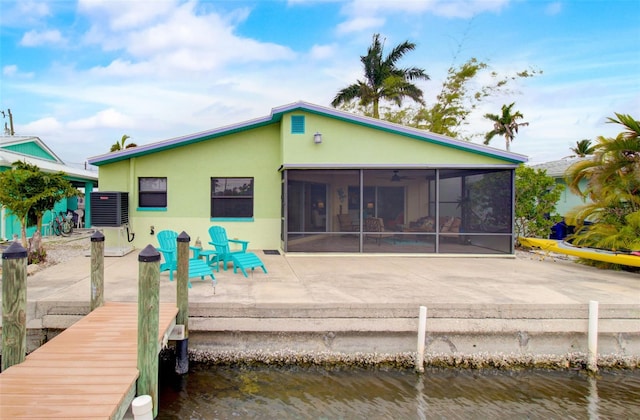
x=8, y=130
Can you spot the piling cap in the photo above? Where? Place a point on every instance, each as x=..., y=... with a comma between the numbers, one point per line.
x=141, y=405
x=149, y=254
x=183, y=237
x=14, y=251
x=97, y=237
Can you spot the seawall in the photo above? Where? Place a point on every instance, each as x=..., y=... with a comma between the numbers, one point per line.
x=515, y=332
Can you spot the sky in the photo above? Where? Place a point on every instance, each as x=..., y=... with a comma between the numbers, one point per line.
x=81, y=74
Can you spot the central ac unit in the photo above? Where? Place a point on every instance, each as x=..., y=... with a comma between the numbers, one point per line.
x=109, y=208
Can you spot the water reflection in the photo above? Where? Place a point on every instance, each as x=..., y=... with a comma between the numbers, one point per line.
x=265, y=393
x=593, y=399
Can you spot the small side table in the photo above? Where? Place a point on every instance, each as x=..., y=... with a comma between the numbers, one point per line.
x=211, y=258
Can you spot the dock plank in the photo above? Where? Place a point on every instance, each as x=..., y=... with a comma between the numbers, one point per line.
x=84, y=372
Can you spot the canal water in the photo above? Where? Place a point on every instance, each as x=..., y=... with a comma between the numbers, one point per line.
x=317, y=393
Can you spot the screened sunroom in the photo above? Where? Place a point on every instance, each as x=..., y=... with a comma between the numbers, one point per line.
x=399, y=210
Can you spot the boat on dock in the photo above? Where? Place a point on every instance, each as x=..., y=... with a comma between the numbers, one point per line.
x=562, y=247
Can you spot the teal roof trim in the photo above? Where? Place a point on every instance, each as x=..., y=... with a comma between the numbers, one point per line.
x=276, y=116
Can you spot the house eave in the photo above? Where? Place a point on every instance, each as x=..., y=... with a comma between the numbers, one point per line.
x=287, y=166
x=7, y=158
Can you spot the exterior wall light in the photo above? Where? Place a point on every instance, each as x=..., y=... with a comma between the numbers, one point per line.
x=317, y=138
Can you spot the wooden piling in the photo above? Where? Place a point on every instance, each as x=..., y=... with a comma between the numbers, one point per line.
x=148, y=316
x=97, y=270
x=14, y=305
x=182, y=296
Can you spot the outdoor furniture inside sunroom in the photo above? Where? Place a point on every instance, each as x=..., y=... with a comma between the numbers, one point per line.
x=375, y=224
x=222, y=243
x=168, y=240
x=346, y=223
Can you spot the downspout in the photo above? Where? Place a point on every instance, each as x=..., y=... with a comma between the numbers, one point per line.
x=132, y=189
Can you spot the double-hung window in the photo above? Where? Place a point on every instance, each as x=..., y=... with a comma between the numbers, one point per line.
x=232, y=197
x=152, y=192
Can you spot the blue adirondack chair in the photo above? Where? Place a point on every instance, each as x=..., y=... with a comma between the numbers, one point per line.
x=169, y=249
x=220, y=241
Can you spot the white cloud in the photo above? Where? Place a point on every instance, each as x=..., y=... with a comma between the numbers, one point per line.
x=553, y=9
x=358, y=24
x=13, y=71
x=178, y=40
x=321, y=52
x=122, y=15
x=463, y=9
x=42, y=126
x=35, y=38
x=10, y=70
x=23, y=13
x=122, y=68
x=33, y=8
x=109, y=118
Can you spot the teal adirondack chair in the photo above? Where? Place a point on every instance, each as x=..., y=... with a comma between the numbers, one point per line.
x=169, y=249
x=219, y=240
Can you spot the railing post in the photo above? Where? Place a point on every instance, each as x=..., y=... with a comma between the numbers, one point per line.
x=148, y=319
x=182, y=296
x=97, y=270
x=14, y=305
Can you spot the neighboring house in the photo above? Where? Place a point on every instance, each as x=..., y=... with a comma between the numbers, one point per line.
x=34, y=151
x=557, y=169
x=312, y=179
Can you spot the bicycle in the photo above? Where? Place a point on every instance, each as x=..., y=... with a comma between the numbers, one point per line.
x=62, y=225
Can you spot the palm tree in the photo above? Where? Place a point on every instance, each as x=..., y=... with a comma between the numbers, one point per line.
x=120, y=145
x=613, y=187
x=583, y=148
x=504, y=125
x=383, y=79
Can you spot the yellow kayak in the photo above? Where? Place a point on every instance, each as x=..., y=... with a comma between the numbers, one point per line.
x=552, y=245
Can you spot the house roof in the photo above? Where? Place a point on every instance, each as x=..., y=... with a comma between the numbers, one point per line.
x=34, y=151
x=276, y=116
x=557, y=168
x=28, y=145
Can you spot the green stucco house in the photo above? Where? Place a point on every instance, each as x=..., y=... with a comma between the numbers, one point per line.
x=34, y=151
x=311, y=179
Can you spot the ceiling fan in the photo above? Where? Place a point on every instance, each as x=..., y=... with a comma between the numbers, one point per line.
x=397, y=178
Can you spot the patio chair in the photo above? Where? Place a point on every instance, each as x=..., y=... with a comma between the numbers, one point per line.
x=375, y=224
x=220, y=241
x=47, y=222
x=169, y=249
x=346, y=223
x=79, y=219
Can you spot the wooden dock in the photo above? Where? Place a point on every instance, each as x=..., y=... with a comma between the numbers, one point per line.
x=88, y=371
